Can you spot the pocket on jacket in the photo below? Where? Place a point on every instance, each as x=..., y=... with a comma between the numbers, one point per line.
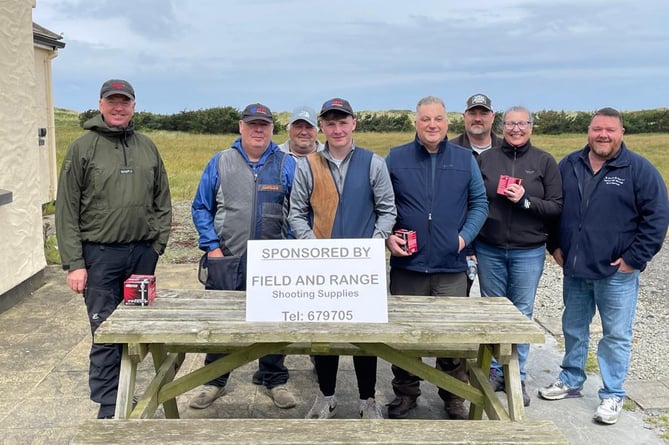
x=223, y=273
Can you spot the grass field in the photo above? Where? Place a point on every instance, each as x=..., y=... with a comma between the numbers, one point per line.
x=185, y=155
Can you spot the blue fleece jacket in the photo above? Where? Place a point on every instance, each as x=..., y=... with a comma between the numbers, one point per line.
x=626, y=215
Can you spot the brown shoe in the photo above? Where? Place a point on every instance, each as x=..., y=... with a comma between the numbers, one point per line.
x=400, y=407
x=455, y=409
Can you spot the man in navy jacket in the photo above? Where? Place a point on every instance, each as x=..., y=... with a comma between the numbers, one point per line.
x=440, y=195
x=614, y=220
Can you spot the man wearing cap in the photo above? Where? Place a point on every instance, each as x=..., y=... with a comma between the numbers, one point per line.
x=342, y=192
x=439, y=194
x=478, y=117
x=478, y=137
x=242, y=195
x=113, y=218
x=302, y=131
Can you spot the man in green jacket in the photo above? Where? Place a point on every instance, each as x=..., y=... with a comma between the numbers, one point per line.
x=113, y=217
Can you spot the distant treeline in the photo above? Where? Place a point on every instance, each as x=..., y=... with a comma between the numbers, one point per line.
x=224, y=120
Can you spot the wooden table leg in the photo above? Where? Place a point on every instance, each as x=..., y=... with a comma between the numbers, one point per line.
x=171, y=367
x=126, y=385
x=514, y=392
x=478, y=372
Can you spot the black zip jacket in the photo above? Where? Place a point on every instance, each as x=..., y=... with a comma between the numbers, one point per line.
x=522, y=225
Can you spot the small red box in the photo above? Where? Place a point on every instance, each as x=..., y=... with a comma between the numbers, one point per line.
x=139, y=290
x=409, y=236
x=505, y=181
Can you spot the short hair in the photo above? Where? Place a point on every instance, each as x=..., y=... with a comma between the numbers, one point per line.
x=609, y=112
x=521, y=109
x=429, y=100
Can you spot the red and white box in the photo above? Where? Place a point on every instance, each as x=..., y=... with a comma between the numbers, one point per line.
x=139, y=290
x=505, y=181
x=409, y=236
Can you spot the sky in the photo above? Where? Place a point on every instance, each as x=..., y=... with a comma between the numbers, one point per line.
x=573, y=55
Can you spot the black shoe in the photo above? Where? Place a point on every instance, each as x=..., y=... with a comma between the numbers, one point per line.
x=496, y=381
x=455, y=409
x=257, y=378
x=526, y=396
x=400, y=407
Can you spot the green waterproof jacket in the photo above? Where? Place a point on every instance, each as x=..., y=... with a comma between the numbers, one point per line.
x=112, y=188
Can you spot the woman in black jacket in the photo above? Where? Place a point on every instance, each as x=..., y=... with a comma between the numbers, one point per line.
x=524, y=192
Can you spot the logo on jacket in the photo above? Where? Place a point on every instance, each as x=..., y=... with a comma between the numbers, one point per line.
x=614, y=180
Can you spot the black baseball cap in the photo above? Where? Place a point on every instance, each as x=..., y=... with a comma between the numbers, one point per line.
x=336, y=104
x=479, y=100
x=117, y=86
x=257, y=112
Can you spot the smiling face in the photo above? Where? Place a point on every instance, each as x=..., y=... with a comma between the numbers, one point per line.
x=478, y=121
x=117, y=110
x=517, y=127
x=338, y=130
x=605, y=136
x=431, y=125
x=302, y=137
x=255, y=137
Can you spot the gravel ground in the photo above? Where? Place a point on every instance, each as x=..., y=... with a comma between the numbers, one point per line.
x=651, y=326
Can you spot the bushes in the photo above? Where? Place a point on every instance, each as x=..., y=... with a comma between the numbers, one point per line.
x=224, y=120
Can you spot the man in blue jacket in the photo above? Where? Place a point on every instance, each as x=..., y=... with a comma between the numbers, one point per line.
x=439, y=194
x=242, y=195
x=614, y=220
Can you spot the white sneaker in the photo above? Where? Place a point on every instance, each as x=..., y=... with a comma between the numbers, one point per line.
x=608, y=410
x=323, y=408
x=558, y=390
x=369, y=409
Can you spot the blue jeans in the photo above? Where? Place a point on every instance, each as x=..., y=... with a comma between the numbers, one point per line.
x=615, y=298
x=514, y=274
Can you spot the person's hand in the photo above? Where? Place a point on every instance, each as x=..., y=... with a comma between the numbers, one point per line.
x=76, y=280
x=622, y=266
x=396, y=245
x=558, y=257
x=461, y=243
x=216, y=253
x=514, y=192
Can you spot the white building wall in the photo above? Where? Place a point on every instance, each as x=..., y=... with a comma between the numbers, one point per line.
x=21, y=239
x=48, y=176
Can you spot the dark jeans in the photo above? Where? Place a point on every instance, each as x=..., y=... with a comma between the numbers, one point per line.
x=407, y=282
x=108, y=266
x=365, y=373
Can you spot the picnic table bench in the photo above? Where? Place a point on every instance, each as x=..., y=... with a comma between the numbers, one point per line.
x=194, y=321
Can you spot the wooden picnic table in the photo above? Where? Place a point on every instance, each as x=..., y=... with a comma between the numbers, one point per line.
x=194, y=321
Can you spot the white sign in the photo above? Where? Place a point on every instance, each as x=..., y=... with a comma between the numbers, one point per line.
x=320, y=280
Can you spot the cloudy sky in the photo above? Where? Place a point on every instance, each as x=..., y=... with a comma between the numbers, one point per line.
x=385, y=54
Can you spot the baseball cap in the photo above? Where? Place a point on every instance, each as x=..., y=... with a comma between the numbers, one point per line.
x=479, y=100
x=117, y=86
x=257, y=112
x=304, y=113
x=337, y=104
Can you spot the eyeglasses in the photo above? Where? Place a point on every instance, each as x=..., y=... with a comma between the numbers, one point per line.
x=521, y=124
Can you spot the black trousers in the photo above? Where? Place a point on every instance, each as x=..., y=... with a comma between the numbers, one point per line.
x=365, y=373
x=407, y=282
x=108, y=266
